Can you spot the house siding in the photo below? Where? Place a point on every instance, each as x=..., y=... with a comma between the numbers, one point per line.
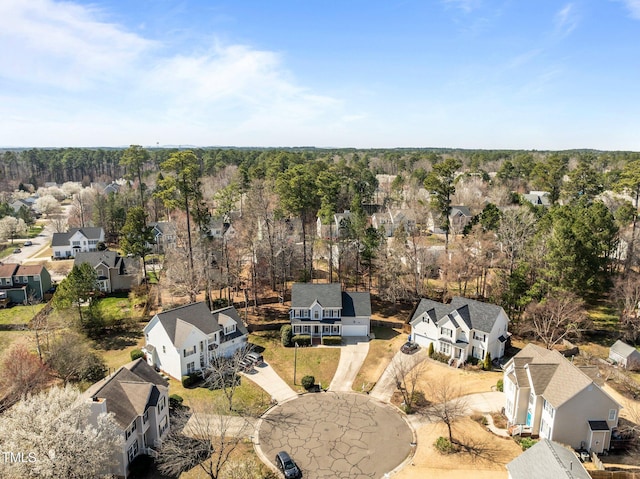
x=570, y=424
x=169, y=361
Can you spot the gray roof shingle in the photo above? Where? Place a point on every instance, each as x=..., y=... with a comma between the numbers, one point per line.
x=623, y=349
x=476, y=314
x=547, y=459
x=303, y=295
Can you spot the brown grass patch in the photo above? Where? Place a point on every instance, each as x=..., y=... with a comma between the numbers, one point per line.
x=381, y=350
x=494, y=453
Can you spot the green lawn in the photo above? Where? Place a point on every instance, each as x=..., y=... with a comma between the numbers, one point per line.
x=19, y=314
x=117, y=307
x=318, y=362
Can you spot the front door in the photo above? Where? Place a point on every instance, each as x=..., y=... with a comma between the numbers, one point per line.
x=528, y=418
x=316, y=329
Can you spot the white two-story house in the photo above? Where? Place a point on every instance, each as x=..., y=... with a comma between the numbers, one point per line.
x=547, y=396
x=461, y=329
x=76, y=240
x=138, y=398
x=184, y=340
x=325, y=310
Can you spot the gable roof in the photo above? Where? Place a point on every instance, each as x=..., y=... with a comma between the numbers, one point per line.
x=178, y=322
x=129, y=391
x=547, y=459
x=62, y=239
x=552, y=375
x=164, y=227
x=460, y=211
x=623, y=349
x=29, y=269
x=303, y=295
x=7, y=269
x=110, y=258
x=476, y=314
x=356, y=304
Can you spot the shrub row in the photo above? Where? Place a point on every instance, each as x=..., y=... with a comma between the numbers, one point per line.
x=332, y=340
x=190, y=379
x=301, y=340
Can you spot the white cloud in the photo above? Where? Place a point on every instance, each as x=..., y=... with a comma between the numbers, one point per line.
x=63, y=44
x=633, y=6
x=566, y=20
x=71, y=69
x=466, y=6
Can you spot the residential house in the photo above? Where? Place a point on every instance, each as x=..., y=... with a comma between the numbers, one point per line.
x=76, y=240
x=459, y=217
x=547, y=459
x=461, y=329
x=115, y=273
x=164, y=234
x=391, y=220
x=138, y=398
x=538, y=198
x=325, y=310
x=338, y=227
x=548, y=396
x=624, y=355
x=184, y=340
x=22, y=283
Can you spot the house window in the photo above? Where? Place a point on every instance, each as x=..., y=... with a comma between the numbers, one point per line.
x=230, y=329
x=189, y=352
x=445, y=348
x=163, y=425
x=612, y=414
x=549, y=408
x=446, y=332
x=315, y=315
x=128, y=432
x=161, y=404
x=164, y=349
x=335, y=329
x=543, y=428
x=24, y=279
x=191, y=367
x=133, y=451
x=57, y=254
x=76, y=243
x=532, y=398
x=145, y=418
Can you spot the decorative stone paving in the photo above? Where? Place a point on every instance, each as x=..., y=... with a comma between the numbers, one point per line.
x=337, y=435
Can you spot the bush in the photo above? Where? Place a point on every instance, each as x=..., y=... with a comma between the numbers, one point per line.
x=487, y=362
x=301, y=339
x=473, y=361
x=431, y=350
x=190, y=380
x=500, y=385
x=444, y=446
x=285, y=333
x=135, y=354
x=332, y=340
x=480, y=419
x=308, y=382
x=175, y=401
x=443, y=358
x=526, y=443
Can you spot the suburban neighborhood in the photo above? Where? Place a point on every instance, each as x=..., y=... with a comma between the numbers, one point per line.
x=396, y=334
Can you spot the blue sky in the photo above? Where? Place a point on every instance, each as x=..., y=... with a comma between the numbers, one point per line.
x=532, y=74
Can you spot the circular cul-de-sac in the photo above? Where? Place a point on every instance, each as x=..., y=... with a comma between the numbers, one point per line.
x=337, y=435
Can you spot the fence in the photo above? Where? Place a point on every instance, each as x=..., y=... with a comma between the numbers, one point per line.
x=614, y=474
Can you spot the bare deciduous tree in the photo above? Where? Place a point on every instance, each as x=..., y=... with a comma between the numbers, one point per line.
x=407, y=372
x=203, y=437
x=21, y=373
x=627, y=295
x=447, y=405
x=560, y=315
x=223, y=372
x=56, y=428
x=516, y=229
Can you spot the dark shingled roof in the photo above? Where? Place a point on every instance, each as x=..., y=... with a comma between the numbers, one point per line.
x=199, y=315
x=356, y=304
x=129, y=391
x=110, y=258
x=599, y=426
x=547, y=459
x=304, y=294
x=476, y=314
x=62, y=239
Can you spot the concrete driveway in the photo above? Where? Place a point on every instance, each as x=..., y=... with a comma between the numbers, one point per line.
x=386, y=385
x=352, y=356
x=265, y=377
x=211, y=425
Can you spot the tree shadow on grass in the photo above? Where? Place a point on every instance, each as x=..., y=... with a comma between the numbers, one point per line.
x=117, y=339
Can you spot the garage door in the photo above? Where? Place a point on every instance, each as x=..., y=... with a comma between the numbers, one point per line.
x=354, y=330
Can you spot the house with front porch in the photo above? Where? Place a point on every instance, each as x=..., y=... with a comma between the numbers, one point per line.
x=76, y=240
x=138, y=398
x=325, y=310
x=548, y=396
x=186, y=339
x=115, y=273
x=461, y=329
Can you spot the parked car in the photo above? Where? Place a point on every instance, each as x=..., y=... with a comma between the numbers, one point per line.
x=287, y=466
x=28, y=243
x=17, y=250
x=409, y=347
x=245, y=364
x=255, y=357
